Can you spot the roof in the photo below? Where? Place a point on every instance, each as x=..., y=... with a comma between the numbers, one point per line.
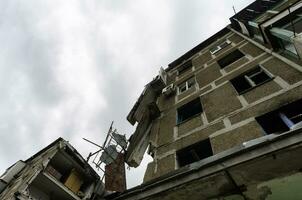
x=45, y=149
x=77, y=155
x=252, y=11
x=255, y=9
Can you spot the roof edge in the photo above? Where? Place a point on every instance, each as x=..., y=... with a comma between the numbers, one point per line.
x=198, y=48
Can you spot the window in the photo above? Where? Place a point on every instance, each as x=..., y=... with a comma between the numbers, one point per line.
x=194, y=153
x=296, y=25
x=255, y=30
x=186, y=85
x=284, y=38
x=219, y=47
x=285, y=30
x=230, y=58
x=186, y=66
x=251, y=79
x=189, y=110
x=288, y=46
x=286, y=118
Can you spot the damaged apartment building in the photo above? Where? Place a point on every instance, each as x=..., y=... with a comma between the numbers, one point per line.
x=223, y=121
x=57, y=172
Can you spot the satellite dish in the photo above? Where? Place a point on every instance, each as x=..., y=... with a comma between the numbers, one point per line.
x=120, y=140
x=109, y=155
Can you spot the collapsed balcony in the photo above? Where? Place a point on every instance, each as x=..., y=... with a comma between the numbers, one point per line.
x=64, y=178
x=144, y=112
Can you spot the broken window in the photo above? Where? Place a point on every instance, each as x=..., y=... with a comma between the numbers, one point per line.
x=230, y=58
x=189, y=110
x=194, y=153
x=186, y=66
x=217, y=48
x=285, y=31
x=186, y=85
x=286, y=118
x=295, y=24
x=254, y=27
x=251, y=79
x=64, y=169
x=284, y=40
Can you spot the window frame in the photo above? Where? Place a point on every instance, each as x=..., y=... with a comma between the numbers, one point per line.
x=219, y=47
x=257, y=34
x=288, y=120
x=182, y=107
x=295, y=21
x=282, y=118
x=250, y=81
x=186, y=85
x=193, y=151
x=283, y=36
x=222, y=60
x=283, y=32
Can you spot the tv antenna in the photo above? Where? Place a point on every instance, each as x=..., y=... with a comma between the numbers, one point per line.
x=114, y=145
x=234, y=10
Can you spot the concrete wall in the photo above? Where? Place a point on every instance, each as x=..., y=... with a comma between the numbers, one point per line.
x=27, y=175
x=220, y=102
x=271, y=170
x=227, y=117
x=200, y=60
x=208, y=75
x=165, y=131
x=235, y=137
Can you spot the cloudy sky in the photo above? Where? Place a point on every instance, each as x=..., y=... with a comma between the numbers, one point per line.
x=68, y=68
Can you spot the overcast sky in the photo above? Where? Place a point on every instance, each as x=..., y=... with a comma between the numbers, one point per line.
x=68, y=68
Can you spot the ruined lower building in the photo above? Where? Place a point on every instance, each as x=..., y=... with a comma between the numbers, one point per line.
x=223, y=121
x=57, y=172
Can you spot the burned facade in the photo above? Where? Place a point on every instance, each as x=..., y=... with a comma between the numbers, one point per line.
x=224, y=120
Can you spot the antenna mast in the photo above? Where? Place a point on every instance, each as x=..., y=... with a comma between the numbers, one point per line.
x=234, y=10
x=114, y=145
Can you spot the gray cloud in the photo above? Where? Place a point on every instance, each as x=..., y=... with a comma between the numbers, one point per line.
x=67, y=68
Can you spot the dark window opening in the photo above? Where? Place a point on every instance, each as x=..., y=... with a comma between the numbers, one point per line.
x=251, y=79
x=283, y=119
x=188, y=110
x=296, y=118
x=295, y=24
x=256, y=33
x=194, y=153
x=258, y=76
x=224, y=44
x=241, y=84
x=230, y=58
x=186, y=66
x=182, y=88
